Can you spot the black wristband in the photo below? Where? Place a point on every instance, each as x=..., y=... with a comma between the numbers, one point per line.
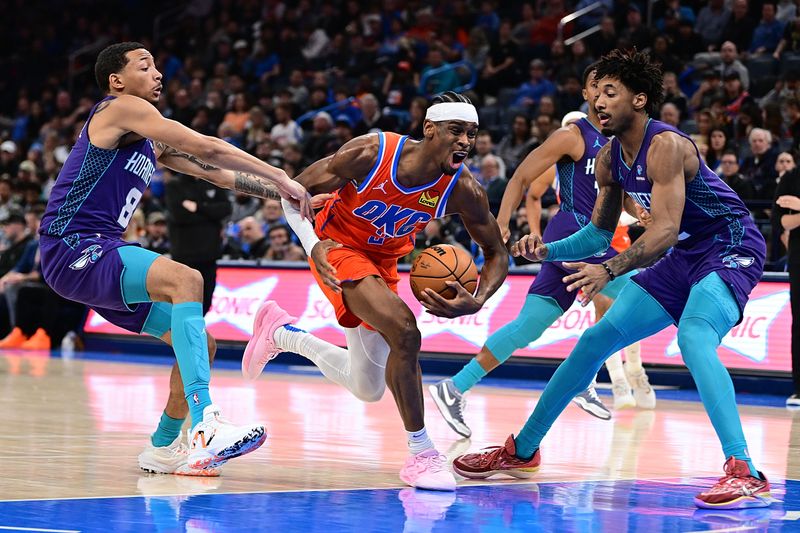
x=611, y=275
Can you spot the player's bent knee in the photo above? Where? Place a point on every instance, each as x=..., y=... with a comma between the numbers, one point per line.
x=696, y=338
x=404, y=336
x=371, y=395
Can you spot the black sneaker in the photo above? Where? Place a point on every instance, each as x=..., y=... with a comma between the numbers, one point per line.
x=451, y=404
x=590, y=402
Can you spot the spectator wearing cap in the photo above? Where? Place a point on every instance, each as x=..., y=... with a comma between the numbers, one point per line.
x=371, y=117
x=740, y=27
x=759, y=167
x=156, y=236
x=26, y=172
x=530, y=92
x=286, y=130
x=20, y=245
x=735, y=95
x=768, y=33
x=8, y=158
x=711, y=22
x=321, y=141
x=343, y=129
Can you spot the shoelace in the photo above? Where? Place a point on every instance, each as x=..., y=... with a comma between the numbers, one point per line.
x=433, y=463
x=593, y=394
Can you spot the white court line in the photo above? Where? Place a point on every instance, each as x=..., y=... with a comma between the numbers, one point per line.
x=12, y=528
x=489, y=483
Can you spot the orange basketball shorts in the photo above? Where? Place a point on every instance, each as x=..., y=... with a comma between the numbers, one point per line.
x=354, y=265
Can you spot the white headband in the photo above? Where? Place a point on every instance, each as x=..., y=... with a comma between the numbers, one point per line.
x=452, y=111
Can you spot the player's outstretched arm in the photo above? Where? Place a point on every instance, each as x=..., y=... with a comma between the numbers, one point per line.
x=468, y=200
x=352, y=162
x=533, y=199
x=563, y=142
x=665, y=168
x=132, y=114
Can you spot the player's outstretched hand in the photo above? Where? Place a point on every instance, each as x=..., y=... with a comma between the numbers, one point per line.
x=295, y=193
x=505, y=233
x=326, y=272
x=463, y=303
x=319, y=200
x=590, y=278
x=531, y=247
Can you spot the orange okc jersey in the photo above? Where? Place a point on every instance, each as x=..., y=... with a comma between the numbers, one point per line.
x=380, y=216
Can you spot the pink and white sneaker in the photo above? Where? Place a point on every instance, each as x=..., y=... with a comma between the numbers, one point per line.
x=426, y=470
x=261, y=348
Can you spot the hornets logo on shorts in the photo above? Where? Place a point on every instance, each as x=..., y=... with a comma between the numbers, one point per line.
x=88, y=256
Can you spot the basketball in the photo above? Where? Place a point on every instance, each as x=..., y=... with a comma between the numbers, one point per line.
x=442, y=263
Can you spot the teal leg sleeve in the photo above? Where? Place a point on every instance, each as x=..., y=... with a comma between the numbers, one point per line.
x=634, y=316
x=711, y=311
x=538, y=313
x=137, y=262
x=613, y=288
x=191, y=349
x=168, y=430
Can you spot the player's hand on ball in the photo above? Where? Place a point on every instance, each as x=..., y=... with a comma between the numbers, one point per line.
x=464, y=303
x=531, y=247
x=319, y=254
x=590, y=278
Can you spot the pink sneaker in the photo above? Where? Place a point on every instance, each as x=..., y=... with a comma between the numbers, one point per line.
x=261, y=347
x=427, y=470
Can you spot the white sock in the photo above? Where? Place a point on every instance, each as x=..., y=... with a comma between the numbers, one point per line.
x=360, y=368
x=633, y=358
x=418, y=441
x=615, y=370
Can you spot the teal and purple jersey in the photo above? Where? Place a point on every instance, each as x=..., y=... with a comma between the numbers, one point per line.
x=92, y=201
x=577, y=190
x=716, y=232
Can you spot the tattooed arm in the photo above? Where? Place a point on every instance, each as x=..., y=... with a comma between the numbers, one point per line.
x=608, y=206
x=238, y=181
x=665, y=163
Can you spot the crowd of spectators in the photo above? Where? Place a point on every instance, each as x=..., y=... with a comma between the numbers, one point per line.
x=291, y=81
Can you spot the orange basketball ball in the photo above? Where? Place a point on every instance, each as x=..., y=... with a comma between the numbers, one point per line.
x=441, y=263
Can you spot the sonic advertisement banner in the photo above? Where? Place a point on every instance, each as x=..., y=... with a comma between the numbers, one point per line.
x=760, y=342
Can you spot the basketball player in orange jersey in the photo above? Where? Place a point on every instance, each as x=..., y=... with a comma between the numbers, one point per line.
x=388, y=188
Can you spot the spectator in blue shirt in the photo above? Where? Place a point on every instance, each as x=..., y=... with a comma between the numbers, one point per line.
x=530, y=92
x=768, y=32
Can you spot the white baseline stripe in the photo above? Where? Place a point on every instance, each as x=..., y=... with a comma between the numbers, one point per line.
x=12, y=528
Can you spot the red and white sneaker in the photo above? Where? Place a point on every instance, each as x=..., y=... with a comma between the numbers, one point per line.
x=214, y=441
x=426, y=470
x=738, y=489
x=497, y=460
x=261, y=348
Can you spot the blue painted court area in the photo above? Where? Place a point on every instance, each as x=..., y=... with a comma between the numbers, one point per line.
x=613, y=506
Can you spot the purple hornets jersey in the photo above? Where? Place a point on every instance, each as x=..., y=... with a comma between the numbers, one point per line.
x=710, y=206
x=576, y=187
x=98, y=190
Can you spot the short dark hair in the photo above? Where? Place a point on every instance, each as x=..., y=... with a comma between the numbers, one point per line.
x=591, y=67
x=450, y=96
x=111, y=60
x=729, y=151
x=636, y=72
x=279, y=226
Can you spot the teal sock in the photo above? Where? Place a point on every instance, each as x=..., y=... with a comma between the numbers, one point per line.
x=167, y=431
x=525, y=445
x=468, y=376
x=538, y=314
x=191, y=349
